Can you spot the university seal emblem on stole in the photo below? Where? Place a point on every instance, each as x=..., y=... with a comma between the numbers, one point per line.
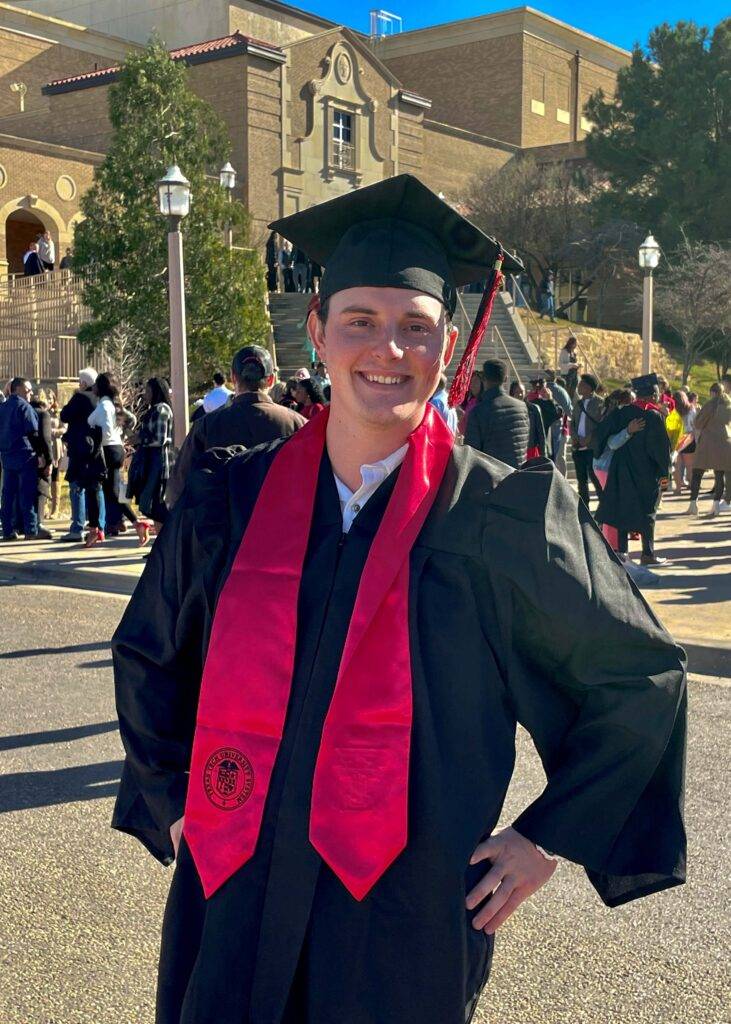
x=228, y=778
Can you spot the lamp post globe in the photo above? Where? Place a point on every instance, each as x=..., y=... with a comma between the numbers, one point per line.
x=174, y=193
x=227, y=176
x=649, y=254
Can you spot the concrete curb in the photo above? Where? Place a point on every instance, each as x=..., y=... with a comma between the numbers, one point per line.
x=80, y=579
x=706, y=656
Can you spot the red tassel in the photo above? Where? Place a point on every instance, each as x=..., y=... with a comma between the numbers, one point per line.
x=461, y=380
x=314, y=305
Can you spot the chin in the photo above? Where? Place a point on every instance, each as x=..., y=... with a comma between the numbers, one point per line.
x=390, y=415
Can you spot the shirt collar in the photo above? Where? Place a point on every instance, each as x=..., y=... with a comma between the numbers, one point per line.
x=372, y=475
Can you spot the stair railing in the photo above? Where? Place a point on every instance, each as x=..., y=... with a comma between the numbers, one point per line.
x=533, y=325
x=495, y=332
x=504, y=347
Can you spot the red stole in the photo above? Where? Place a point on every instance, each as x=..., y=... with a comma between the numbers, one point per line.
x=359, y=808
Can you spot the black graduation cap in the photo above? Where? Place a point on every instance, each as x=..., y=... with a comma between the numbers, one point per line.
x=394, y=234
x=645, y=384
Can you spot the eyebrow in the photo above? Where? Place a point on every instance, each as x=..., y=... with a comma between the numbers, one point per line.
x=413, y=314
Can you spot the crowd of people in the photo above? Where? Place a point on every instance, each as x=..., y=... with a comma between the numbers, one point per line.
x=629, y=446
x=289, y=268
x=90, y=440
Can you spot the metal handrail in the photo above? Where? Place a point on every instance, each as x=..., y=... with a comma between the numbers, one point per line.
x=533, y=319
x=494, y=329
x=541, y=331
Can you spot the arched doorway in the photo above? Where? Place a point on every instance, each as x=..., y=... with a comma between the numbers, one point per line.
x=21, y=227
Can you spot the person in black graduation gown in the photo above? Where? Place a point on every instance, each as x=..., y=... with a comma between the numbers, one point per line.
x=518, y=611
x=633, y=488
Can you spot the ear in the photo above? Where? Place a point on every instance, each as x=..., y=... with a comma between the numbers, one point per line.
x=452, y=336
x=316, y=334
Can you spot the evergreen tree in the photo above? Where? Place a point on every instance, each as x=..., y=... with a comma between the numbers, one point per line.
x=664, y=140
x=121, y=246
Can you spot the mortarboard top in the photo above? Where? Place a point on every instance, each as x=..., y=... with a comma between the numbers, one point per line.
x=644, y=385
x=394, y=234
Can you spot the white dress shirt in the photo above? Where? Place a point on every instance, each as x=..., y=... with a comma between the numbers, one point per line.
x=216, y=398
x=372, y=476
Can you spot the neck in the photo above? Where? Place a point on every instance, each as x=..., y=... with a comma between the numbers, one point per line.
x=352, y=445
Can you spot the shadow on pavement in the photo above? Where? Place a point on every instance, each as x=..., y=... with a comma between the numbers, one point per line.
x=76, y=732
x=21, y=791
x=708, y=661
x=32, y=652
x=699, y=589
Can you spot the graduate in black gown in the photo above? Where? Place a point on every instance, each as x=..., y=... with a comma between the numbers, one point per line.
x=517, y=612
x=638, y=469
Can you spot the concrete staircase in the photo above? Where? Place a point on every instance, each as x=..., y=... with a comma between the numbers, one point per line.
x=506, y=336
x=288, y=313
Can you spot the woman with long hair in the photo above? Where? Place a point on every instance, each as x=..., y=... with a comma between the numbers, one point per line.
x=310, y=397
x=150, y=468
x=568, y=364
x=683, y=469
x=107, y=415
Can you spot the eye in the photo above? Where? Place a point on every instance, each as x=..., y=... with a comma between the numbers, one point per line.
x=418, y=328
x=360, y=322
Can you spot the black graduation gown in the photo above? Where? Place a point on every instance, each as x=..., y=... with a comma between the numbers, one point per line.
x=518, y=611
x=631, y=494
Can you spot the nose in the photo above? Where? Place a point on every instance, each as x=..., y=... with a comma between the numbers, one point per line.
x=391, y=349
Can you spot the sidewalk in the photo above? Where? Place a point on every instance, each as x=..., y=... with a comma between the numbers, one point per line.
x=113, y=567
x=692, y=597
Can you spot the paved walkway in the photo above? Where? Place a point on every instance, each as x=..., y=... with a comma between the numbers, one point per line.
x=692, y=596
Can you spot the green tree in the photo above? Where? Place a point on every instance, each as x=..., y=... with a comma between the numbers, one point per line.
x=664, y=141
x=120, y=249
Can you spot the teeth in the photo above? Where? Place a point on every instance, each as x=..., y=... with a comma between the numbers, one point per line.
x=375, y=379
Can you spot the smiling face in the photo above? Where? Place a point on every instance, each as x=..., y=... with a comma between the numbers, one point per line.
x=385, y=349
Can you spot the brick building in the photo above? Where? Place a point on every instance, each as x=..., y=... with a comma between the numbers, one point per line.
x=313, y=108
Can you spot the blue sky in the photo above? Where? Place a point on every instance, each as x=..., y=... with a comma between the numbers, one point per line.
x=621, y=22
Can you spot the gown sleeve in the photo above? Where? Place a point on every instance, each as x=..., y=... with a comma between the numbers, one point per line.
x=599, y=685
x=158, y=652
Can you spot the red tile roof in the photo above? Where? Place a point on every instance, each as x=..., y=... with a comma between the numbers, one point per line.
x=236, y=41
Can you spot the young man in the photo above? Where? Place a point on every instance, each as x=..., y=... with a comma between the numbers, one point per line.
x=251, y=418
x=500, y=425
x=20, y=455
x=585, y=418
x=350, y=622
x=219, y=395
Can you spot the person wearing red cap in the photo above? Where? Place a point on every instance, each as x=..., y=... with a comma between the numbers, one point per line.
x=320, y=672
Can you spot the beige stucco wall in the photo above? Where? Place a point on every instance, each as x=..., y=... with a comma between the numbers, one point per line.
x=178, y=22
x=277, y=26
